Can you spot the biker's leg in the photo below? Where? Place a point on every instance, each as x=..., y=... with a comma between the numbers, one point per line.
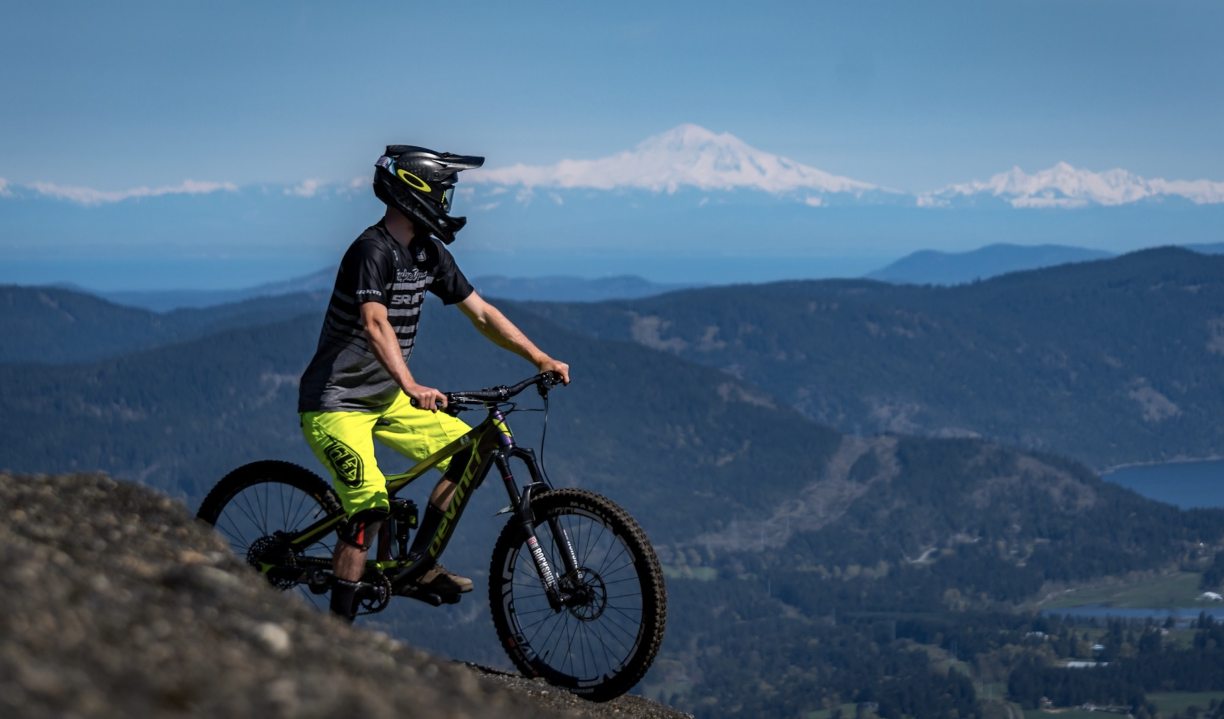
x=343, y=442
x=348, y=562
x=417, y=434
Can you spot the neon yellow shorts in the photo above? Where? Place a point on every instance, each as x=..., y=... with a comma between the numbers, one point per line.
x=344, y=443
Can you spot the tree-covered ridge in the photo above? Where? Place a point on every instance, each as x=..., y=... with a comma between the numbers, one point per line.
x=808, y=569
x=1110, y=362
x=51, y=325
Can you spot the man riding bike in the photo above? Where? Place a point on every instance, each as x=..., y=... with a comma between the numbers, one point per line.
x=358, y=387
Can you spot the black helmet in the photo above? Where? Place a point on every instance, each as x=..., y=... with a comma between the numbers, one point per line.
x=420, y=183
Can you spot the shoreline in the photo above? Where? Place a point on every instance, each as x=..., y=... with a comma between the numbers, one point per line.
x=1176, y=460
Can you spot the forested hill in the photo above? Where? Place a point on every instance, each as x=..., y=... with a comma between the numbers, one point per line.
x=51, y=325
x=1111, y=362
x=768, y=522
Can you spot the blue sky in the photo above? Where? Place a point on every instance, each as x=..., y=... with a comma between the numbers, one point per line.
x=911, y=96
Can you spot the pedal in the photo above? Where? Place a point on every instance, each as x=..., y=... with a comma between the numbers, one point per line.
x=412, y=592
x=431, y=598
x=318, y=581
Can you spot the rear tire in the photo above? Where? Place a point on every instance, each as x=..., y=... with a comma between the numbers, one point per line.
x=603, y=647
x=258, y=499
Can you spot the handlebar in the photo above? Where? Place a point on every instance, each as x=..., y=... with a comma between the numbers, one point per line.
x=543, y=382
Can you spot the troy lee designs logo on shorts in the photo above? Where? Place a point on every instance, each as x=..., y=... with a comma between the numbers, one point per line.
x=345, y=462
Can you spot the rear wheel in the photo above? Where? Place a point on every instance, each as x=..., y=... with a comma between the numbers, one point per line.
x=600, y=644
x=257, y=500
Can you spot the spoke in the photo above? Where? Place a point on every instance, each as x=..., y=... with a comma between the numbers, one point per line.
x=531, y=640
x=587, y=544
x=634, y=578
x=569, y=644
x=583, y=649
x=535, y=611
x=632, y=635
x=607, y=657
x=250, y=515
x=606, y=560
x=614, y=570
x=525, y=627
x=623, y=595
x=234, y=541
x=264, y=506
x=302, y=503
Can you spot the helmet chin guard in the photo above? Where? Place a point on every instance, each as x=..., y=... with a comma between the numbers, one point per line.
x=421, y=183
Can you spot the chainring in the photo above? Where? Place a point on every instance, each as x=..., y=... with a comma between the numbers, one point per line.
x=374, y=605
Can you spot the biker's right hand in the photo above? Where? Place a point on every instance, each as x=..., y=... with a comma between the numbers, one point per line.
x=426, y=397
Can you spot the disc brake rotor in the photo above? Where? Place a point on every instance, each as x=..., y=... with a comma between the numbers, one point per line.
x=588, y=596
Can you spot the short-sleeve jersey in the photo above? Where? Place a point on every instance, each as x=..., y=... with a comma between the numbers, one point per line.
x=344, y=375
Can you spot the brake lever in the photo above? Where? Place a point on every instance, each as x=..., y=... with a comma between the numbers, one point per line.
x=548, y=380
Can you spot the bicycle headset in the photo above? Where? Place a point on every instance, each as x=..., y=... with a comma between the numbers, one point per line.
x=421, y=183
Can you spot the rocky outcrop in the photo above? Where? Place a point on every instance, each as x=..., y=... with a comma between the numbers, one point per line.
x=115, y=601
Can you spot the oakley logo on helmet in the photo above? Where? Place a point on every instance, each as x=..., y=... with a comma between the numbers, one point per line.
x=413, y=181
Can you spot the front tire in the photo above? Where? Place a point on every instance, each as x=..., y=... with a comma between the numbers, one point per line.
x=601, y=647
x=256, y=500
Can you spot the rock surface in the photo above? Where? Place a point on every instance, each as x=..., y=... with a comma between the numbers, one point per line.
x=116, y=602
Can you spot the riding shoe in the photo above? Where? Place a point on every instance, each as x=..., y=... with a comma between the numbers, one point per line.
x=440, y=580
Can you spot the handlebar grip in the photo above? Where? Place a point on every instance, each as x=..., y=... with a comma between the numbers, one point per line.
x=413, y=402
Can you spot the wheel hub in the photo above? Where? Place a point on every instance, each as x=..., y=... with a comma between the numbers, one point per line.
x=588, y=594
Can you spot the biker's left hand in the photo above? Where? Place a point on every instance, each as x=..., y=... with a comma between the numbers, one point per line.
x=552, y=365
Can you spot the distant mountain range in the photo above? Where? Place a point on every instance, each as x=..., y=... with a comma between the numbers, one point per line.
x=931, y=267
x=548, y=289
x=925, y=267
x=688, y=206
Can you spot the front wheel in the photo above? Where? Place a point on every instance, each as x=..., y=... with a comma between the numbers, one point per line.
x=600, y=645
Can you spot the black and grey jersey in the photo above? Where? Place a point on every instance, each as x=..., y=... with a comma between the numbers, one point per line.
x=344, y=375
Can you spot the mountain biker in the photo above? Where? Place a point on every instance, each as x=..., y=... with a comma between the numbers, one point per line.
x=358, y=387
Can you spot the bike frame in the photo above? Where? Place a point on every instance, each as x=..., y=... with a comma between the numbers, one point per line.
x=492, y=445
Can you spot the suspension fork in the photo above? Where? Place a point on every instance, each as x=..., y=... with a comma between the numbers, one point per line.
x=522, y=502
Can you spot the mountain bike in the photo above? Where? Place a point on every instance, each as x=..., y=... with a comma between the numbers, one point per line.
x=576, y=591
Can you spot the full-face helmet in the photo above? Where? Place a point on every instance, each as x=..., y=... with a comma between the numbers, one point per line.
x=421, y=183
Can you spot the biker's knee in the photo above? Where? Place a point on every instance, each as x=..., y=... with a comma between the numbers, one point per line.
x=362, y=527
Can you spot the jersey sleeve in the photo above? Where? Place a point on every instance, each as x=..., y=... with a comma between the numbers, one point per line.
x=369, y=271
x=449, y=284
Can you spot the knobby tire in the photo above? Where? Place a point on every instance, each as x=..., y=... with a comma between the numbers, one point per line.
x=598, y=651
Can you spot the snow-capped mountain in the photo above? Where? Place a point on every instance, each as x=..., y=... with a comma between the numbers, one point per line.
x=685, y=156
x=1067, y=186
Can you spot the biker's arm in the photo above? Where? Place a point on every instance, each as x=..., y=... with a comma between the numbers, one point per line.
x=493, y=324
x=387, y=350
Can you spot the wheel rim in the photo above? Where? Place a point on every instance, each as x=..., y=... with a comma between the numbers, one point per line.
x=259, y=510
x=596, y=637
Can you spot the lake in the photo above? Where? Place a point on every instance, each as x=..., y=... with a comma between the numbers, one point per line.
x=1185, y=484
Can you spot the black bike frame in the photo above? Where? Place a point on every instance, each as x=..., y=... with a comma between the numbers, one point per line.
x=492, y=444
